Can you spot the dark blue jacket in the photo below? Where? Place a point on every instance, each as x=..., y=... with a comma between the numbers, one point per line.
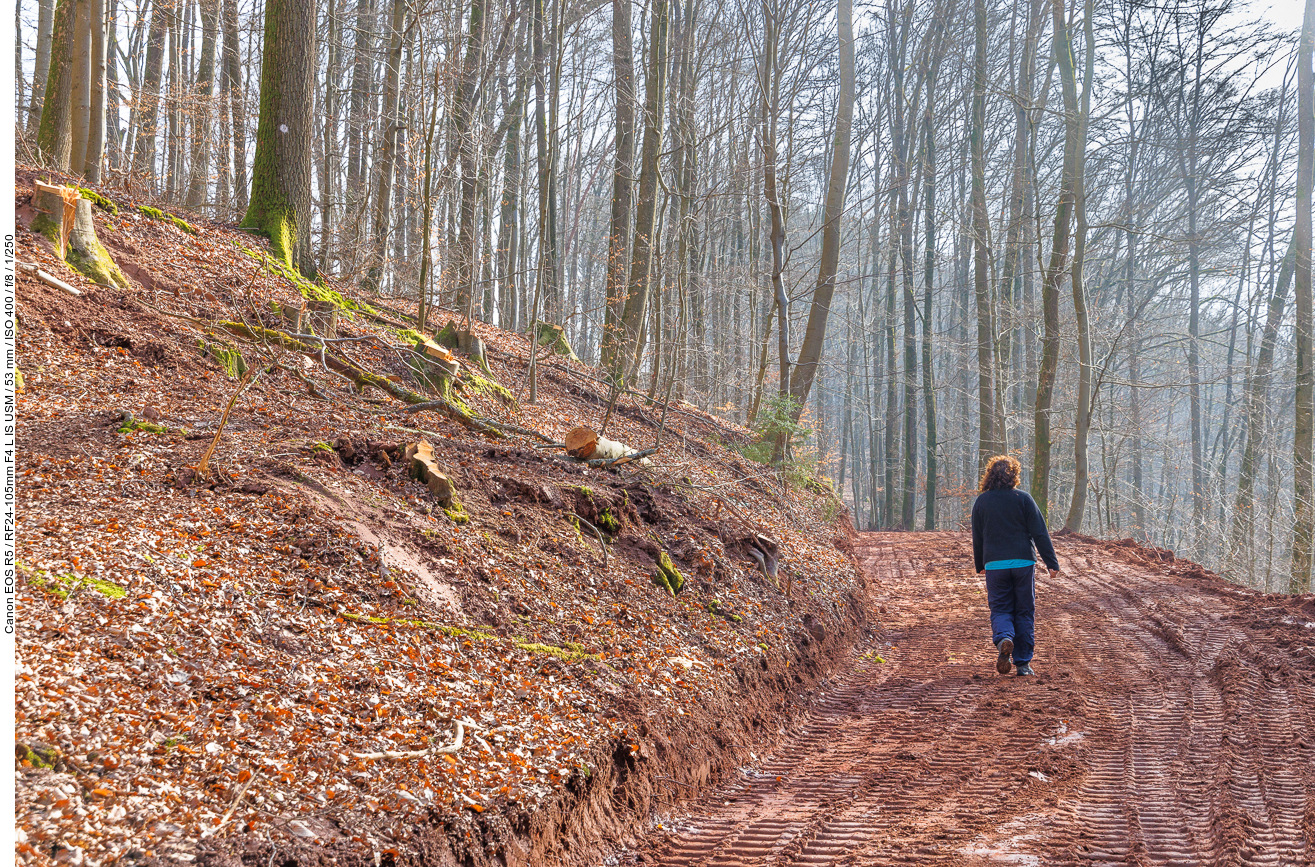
x=1005, y=526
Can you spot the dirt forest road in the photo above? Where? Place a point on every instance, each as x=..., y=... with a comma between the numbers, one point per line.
x=1172, y=723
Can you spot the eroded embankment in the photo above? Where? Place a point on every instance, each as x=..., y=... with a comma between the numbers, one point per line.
x=1170, y=724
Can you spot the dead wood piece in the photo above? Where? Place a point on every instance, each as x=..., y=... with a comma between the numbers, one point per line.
x=433, y=350
x=597, y=533
x=581, y=442
x=49, y=279
x=451, y=749
x=204, y=466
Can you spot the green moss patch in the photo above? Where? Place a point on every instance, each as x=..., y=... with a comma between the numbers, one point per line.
x=99, y=201
x=38, y=757
x=63, y=585
x=716, y=609
x=456, y=511
x=132, y=425
x=164, y=217
x=451, y=631
x=479, y=385
x=571, y=653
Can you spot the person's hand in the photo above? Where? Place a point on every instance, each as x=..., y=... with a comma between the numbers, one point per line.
x=1055, y=573
x=981, y=571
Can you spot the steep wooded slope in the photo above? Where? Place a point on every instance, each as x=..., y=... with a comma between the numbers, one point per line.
x=304, y=656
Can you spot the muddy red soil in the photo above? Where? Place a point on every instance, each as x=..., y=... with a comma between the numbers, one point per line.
x=1172, y=723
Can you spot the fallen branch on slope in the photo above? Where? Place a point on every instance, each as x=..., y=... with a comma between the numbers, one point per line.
x=49, y=279
x=450, y=749
x=359, y=377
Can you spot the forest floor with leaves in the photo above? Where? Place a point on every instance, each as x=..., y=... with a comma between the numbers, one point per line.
x=303, y=657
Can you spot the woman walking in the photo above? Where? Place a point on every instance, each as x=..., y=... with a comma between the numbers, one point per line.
x=1006, y=524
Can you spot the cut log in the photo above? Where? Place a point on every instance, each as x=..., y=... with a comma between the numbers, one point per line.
x=581, y=442
x=434, y=350
x=434, y=367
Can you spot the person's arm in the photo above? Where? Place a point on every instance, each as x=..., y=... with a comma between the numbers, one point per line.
x=977, y=537
x=1036, y=528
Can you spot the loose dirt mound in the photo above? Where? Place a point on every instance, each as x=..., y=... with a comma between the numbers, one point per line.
x=1171, y=724
x=274, y=665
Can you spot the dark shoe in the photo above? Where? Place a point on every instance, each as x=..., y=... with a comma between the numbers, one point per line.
x=1006, y=647
x=1024, y=670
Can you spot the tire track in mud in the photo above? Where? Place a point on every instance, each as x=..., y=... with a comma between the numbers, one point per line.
x=1171, y=724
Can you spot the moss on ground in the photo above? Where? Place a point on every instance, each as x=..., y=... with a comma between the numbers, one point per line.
x=41, y=757
x=571, y=653
x=97, y=265
x=456, y=511
x=479, y=385
x=165, y=217
x=132, y=425
x=63, y=585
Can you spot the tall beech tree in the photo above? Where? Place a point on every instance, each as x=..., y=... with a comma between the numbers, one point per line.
x=280, y=206
x=1303, y=532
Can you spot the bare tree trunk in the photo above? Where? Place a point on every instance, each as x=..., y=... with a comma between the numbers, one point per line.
x=383, y=197
x=509, y=216
x=81, y=87
x=55, y=134
x=929, y=277
x=236, y=104
x=45, y=26
x=148, y=99
x=545, y=81
x=623, y=180
x=1077, y=506
x=988, y=438
x=328, y=174
x=199, y=184
x=280, y=205
x=1303, y=530
x=810, y=353
x=96, y=111
x=464, y=113
x=1058, y=263
x=646, y=242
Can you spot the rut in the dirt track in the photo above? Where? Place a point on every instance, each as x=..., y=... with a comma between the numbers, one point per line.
x=1172, y=723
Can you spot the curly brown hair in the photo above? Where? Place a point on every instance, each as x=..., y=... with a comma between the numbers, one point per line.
x=1001, y=474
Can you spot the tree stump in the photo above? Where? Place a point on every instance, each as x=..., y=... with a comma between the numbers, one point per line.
x=323, y=316
x=553, y=338
x=65, y=218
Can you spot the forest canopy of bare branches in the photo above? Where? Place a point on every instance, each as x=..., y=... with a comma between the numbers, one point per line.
x=892, y=238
